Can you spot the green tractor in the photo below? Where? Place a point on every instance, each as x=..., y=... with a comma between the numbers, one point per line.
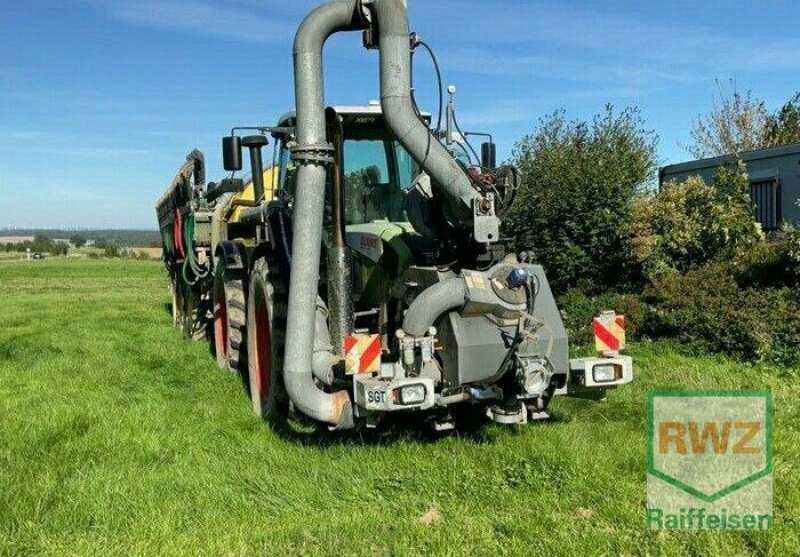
x=363, y=272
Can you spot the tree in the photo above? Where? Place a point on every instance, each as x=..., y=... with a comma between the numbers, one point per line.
x=689, y=224
x=41, y=244
x=579, y=181
x=783, y=127
x=737, y=123
x=77, y=240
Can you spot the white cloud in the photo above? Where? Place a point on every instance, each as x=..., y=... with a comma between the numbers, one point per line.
x=515, y=110
x=503, y=111
x=550, y=41
x=95, y=152
x=231, y=23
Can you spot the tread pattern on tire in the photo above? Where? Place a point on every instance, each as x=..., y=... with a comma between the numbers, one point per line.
x=236, y=309
x=265, y=270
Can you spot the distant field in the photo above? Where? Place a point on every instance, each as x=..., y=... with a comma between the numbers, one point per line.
x=121, y=438
x=15, y=239
x=153, y=253
x=121, y=237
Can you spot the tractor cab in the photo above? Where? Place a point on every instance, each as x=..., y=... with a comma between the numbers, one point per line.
x=375, y=175
x=376, y=171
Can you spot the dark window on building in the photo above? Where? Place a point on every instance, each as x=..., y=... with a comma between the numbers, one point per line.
x=766, y=198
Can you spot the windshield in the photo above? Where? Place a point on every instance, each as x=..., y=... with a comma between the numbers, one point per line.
x=377, y=174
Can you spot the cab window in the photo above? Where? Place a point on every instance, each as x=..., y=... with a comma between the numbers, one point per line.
x=378, y=171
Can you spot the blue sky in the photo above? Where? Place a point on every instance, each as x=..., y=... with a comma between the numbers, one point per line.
x=100, y=100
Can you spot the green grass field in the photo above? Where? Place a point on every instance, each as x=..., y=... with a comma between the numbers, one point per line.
x=119, y=437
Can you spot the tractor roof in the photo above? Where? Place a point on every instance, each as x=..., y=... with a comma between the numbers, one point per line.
x=345, y=110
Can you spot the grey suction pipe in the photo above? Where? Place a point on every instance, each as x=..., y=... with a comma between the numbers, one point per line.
x=313, y=155
x=398, y=108
x=448, y=295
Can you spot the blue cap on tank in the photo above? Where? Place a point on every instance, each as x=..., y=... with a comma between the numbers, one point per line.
x=517, y=277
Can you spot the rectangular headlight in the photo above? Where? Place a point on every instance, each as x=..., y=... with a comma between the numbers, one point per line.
x=606, y=373
x=412, y=394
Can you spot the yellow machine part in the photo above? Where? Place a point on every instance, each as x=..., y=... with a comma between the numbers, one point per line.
x=270, y=187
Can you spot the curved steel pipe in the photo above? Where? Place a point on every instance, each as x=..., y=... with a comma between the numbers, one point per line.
x=312, y=156
x=398, y=108
x=448, y=295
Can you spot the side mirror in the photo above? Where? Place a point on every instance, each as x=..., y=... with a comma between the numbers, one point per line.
x=232, y=152
x=488, y=155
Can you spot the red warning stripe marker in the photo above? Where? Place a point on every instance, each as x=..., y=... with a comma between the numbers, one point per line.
x=362, y=353
x=609, y=332
x=604, y=335
x=369, y=355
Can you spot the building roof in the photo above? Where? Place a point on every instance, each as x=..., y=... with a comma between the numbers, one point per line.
x=746, y=156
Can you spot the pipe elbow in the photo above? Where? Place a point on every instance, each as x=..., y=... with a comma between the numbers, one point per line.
x=323, y=21
x=434, y=301
x=334, y=409
x=399, y=111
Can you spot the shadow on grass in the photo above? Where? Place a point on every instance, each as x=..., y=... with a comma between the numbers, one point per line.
x=471, y=426
x=471, y=422
x=393, y=429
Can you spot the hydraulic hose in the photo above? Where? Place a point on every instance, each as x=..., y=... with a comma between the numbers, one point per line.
x=190, y=261
x=177, y=226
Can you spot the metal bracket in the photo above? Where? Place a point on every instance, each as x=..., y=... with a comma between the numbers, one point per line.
x=486, y=225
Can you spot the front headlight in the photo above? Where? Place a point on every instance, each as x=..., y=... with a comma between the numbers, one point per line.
x=412, y=394
x=606, y=373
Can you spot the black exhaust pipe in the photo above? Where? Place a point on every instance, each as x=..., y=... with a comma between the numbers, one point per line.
x=255, y=143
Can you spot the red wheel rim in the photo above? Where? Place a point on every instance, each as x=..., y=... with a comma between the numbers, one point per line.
x=263, y=351
x=221, y=322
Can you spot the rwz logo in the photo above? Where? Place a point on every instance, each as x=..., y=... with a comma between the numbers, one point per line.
x=699, y=438
x=709, y=459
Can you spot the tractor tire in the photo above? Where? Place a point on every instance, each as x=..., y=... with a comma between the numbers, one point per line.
x=267, y=302
x=230, y=320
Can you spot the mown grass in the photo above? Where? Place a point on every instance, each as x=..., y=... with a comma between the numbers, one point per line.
x=121, y=438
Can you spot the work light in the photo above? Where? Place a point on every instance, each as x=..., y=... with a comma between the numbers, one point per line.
x=412, y=394
x=606, y=373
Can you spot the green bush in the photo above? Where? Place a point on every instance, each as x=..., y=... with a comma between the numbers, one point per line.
x=691, y=223
x=790, y=252
x=578, y=182
x=707, y=310
x=578, y=310
x=772, y=264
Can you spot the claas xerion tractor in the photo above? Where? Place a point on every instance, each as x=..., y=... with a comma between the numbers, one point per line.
x=363, y=271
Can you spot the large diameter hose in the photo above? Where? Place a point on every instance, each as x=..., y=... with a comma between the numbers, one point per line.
x=312, y=155
x=398, y=108
x=434, y=301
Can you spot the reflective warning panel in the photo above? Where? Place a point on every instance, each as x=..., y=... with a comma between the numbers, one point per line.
x=609, y=332
x=362, y=354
